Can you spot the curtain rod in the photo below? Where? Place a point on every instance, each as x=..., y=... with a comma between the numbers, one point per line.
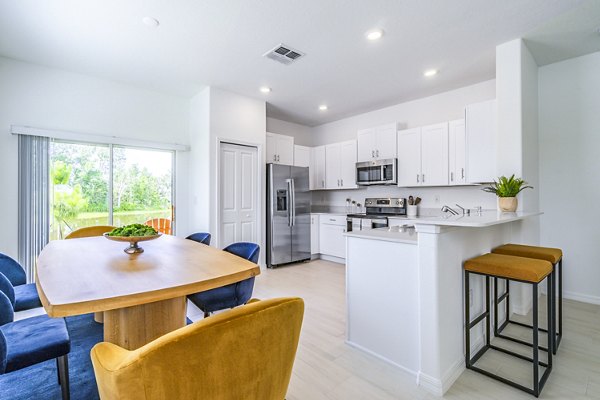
x=103, y=139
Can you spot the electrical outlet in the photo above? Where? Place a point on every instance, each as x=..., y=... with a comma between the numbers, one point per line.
x=436, y=198
x=470, y=297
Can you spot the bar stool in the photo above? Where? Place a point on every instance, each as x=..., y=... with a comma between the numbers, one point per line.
x=552, y=255
x=511, y=268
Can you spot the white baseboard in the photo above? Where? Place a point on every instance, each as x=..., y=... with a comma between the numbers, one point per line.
x=332, y=259
x=438, y=387
x=584, y=298
x=387, y=360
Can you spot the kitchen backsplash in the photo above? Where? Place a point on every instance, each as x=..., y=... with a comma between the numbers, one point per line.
x=432, y=197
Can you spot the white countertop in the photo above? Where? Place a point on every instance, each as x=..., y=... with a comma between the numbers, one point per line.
x=398, y=234
x=487, y=218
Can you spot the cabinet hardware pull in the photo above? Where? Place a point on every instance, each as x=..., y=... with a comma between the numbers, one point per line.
x=377, y=153
x=342, y=181
x=451, y=176
x=462, y=173
x=323, y=184
x=332, y=220
x=278, y=158
x=417, y=178
x=274, y=157
x=423, y=178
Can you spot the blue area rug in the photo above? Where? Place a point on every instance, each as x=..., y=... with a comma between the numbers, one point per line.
x=40, y=382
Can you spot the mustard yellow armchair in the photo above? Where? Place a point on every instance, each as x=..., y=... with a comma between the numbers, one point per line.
x=245, y=353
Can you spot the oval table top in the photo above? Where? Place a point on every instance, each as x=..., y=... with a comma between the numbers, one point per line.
x=80, y=276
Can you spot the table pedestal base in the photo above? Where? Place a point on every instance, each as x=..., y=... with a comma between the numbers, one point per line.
x=133, y=327
x=99, y=317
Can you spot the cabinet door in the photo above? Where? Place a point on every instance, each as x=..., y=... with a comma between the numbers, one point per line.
x=333, y=157
x=456, y=152
x=366, y=140
x=480, y=124
x=409, y=157
x=434, y=155
x=271, y=153
x=348, y=164
x=285, y=150
x=301, y=156
x=386, y=142
x=314, y=234
x=332, y=240
x=318, y=168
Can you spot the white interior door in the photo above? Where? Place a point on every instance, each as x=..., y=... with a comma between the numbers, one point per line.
x=238, y=194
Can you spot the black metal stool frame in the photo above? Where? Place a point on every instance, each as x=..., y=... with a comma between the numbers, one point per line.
x=538, y=383
x=556, y=270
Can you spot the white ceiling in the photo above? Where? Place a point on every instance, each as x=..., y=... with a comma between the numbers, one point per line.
x=221, y=42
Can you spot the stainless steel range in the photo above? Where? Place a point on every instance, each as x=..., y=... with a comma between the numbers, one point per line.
x=377, y=212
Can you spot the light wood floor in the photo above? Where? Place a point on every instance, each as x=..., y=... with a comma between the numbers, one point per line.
x=326, y=368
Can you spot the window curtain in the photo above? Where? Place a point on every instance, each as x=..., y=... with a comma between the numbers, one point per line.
x=34, y=200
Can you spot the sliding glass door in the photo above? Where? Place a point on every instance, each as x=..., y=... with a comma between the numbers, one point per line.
x=94, y=184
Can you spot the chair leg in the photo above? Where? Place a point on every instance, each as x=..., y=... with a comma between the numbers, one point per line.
x=206, y=314
x=63, y=373
x=58, y=371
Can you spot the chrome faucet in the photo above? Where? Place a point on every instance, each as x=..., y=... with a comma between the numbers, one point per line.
x=465, y=211
x=450, y=210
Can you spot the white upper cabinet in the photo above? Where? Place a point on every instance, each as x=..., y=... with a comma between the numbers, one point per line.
x=340, y=165
x=333, y=161
x=301, y=156
x=348, y=164
x=280, y=149
x=481, y=128
x=457, y=158
x=409, y=157
x=317, y=168
x=386, y=141
x=434, y=155
x=377, y=143
x=423, y=156
x=366, y=139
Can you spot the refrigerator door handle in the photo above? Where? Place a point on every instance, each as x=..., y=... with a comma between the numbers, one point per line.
x=293, y=196
x=289, y=200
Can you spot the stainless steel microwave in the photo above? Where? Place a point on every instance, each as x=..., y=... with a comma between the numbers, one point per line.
x=380, y=172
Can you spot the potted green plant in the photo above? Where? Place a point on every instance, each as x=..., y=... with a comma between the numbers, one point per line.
x=507, y=190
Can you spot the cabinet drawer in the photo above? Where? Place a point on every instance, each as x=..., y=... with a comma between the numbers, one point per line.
x=329, y=219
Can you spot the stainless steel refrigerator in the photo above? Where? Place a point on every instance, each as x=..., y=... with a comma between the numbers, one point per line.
x=288, y=215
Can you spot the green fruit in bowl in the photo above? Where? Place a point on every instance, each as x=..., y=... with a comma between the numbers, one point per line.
x=133, y=230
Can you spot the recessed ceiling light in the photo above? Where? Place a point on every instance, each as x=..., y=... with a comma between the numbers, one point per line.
x=430, y=72
x=323, y=107
x=149, y=21
x=265, y=89
x=374, y=34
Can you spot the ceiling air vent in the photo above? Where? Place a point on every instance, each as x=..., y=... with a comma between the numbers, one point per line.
x=283, y=54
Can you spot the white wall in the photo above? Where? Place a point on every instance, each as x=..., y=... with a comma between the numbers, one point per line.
x=302, y=134
x=199, y=163
x=569, y=110
x=54, y=99
x=430, y=110
x=218, y=115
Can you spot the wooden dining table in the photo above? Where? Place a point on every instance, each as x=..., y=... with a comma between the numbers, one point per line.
x=142, y=296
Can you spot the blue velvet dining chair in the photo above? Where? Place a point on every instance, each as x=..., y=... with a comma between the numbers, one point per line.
x=26, y=295
x=200, y=237
x=33, y=340
x=233, y=295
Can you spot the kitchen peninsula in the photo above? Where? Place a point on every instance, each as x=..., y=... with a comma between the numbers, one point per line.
x=404, y=288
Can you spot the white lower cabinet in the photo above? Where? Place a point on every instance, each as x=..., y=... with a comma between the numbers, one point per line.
x=332, y=241
x=314, y=234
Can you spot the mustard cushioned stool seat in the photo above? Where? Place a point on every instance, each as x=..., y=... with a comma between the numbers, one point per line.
x=511, y=268
x=554, y=256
